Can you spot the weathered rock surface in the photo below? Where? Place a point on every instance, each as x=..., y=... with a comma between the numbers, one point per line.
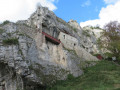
x=89, y=39
x=35, y=61
x=74, y=24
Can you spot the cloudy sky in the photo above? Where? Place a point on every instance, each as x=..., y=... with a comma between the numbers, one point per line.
x=86, y=12
x=107, y=13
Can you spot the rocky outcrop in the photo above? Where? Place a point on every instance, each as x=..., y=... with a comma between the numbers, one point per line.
x=30, y=60
x=89, y=39
x=74, y=24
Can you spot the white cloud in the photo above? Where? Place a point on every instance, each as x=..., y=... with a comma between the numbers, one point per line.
x=14, y=10
x=111, y=1
x=87, y=3
x=110, y=13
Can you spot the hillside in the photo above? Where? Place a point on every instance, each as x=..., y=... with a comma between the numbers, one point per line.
x=36, y=52
x=105, y=75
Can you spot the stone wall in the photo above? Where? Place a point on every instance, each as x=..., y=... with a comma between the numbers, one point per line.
x=68, y=41
x=82, y=53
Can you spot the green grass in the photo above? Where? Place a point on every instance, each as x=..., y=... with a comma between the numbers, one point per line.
x=103, y=76
x=10, y=41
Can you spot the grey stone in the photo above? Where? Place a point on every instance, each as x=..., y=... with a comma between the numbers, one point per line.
x=35, y=61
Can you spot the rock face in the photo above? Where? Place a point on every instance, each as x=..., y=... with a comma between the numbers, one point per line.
x=74, y=24
x=36, y=52
x=89, y=39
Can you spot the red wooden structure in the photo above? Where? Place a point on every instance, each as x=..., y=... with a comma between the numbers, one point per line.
x=99, y=57
x=51, y=39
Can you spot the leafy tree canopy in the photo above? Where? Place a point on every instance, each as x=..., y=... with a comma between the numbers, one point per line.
x=109, y=42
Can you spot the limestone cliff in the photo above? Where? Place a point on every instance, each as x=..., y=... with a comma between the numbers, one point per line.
x=89, y=38
x=36, y=52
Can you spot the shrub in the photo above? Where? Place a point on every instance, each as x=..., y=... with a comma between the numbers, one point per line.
x=5, y=22
x=1, y=30
x=9, y=34
x=11, y=41
x=61, y=21
x=75, y=30
x=70, y=77
x=96, y=54
x=110, y=39
x=86, y=33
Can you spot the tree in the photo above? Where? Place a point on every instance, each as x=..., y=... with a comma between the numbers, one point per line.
x=109, y=41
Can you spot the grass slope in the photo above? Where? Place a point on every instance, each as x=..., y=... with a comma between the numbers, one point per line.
x=103, y=76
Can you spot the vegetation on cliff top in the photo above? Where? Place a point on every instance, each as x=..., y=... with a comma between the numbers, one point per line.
x=5, y=22
x=10, y=41
x=103, y=76
x=109, y=42
x=1, y=30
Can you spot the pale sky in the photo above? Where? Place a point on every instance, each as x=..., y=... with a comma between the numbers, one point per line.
x=14, y=10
